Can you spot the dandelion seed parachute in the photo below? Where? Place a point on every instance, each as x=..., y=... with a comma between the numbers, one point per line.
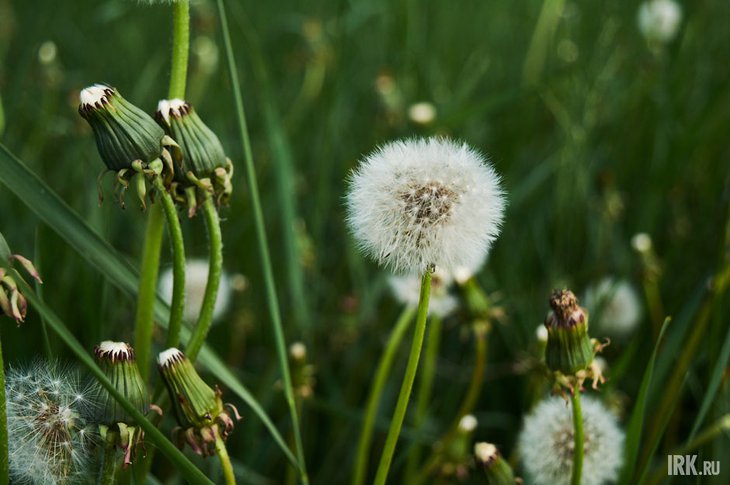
x=418, y=202
x=546, y=443
x=48, y=411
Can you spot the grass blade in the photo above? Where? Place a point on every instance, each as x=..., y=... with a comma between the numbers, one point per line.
x=190, y=471
x=52, y=210
x=633, y=433
x=714, y=385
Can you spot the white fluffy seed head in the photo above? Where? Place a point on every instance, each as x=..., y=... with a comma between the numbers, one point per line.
x=298, y=351
x=468, y=423
x=442, y=302
x=641, y=242
x=196, y=279
x=417, y=202
x=422, y=113
x=546, y=443
x=614, y=307
x=659, y=20
x=49, y=413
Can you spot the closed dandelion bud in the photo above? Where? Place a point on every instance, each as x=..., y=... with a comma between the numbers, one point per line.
x=569, y=349
x=496, y=469
x=116, y=427
x=199, y=410
x=123, y=132
x=204, y=161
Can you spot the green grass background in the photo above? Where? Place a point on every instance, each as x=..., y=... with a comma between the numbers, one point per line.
x=596, y=135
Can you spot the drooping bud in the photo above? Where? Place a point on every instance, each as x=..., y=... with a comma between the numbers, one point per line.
x=569, y=349
x=116, y=426
x=199, y=410
x=496, y=468
x=204, y=161
x=12, y=302
x=123, y=132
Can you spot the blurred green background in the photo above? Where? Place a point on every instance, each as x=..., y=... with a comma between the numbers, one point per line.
x=597, y=134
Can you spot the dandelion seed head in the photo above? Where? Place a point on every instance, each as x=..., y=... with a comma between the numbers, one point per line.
x=442, y=302
x=196, y=279
x=641, y=242
x=48, y=424
x=422, y=113
x=546, y=443
x=659, y=20
x=418, y=202
x=468, y=423
x=614, y=306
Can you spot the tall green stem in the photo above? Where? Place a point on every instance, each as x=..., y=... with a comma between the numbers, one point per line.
x=376, y=391
x=423, y=397
x=577, y=438
x=222, y=452
x=144, y=322
x=271, y=296
x=3, y=422
x=108, y=466
x=177, y=306
x=215, y=267
x=180, y=46
x=405, y=390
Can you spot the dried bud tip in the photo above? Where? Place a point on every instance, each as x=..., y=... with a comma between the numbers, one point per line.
x=114, y=351
x=169, y=357
x=95, y=96
x=172, y=107
x=563, y=303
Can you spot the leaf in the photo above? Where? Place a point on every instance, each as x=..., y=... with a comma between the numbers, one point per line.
x=4, y=249
x=52, y=210
x=190, y=471
x=633, y=433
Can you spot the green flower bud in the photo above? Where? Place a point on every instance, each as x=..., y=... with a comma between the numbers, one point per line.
x=123, y=132
x=569, y=349
x=199, y=410
x=201, y=148
x=496, y=468
x=116, y=427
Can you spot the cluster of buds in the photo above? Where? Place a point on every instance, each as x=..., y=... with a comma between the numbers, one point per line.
x=201, y=415
x=116, y=427
x=12, y=302
x=570, y=351
x=496, y=469
x=205, y=165
x=129, y=141
x=178, y=147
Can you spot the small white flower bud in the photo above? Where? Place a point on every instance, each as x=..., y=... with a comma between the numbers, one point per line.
x=659, y=20
x=641, y=242
x=468, y=423
x=422, y=113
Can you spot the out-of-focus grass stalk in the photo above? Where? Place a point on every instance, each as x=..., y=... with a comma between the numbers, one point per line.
x=577, y=438
x=425, y=386
x=536, y=56
x=271, y=296
x=144, y=321
x=177, y=245
x=405, y=391
x=215, y=267
x=376, y=391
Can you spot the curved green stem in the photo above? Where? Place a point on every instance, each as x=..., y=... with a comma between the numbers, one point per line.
x=222, y=452
x=177, y=306
x=180, y=46
x=271, y=296
x=376, y=391
x=144, y=321
x=405, y=392
x=215, y=268
x=577, y=438
x=3, y=422
x=425, y=386
x=108, y=466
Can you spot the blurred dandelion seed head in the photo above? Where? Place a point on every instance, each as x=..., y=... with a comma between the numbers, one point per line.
x=641, y=242
x=196, y=279
x=417, y=202
x=546, y=443
x=659, y=20
x=614, y=306
x=468, y=423
x=48, y=411
x=407, y=290
x=422, y=113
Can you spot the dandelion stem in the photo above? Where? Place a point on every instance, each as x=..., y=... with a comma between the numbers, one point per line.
x=147, y=294
x=3, y=422
x=222, y=452
x=215, y=267
x=577, y=438
x=108, y=466
x=410, y=375
x=271, y=296
x=425, y=386
x=376, y=391
x=177, y=306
